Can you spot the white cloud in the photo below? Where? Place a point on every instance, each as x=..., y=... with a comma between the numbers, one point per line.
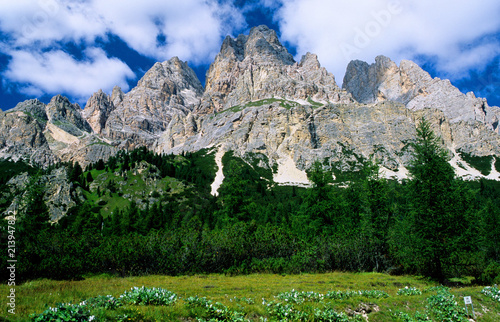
x=32, y=31
x=451, y=32
x=193, y=28
x=477, y=57
x=56, y=72
x=339, y=31
x=43, y=22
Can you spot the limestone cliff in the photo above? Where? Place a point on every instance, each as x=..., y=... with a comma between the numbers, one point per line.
x=168, y=89
x=97, y=111
x=257, y=66
x=46, y=134
x=59, y=194
x=411, y=85
x=259, y=101
x=21, y=134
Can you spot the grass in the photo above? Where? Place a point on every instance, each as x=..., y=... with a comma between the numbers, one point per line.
x=314, y=103
x=39, y=118
x=35, y=296
x=482, y=164
x=283, y=103
x=134, y=185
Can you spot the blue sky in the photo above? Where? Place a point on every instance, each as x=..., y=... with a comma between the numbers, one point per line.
x=76, y=47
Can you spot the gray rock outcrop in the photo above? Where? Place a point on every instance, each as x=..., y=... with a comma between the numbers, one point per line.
x=259, y=100
x=411, y=85
x=59, y=194
x=257, y=66
x=21, y=134
x=67, y=116
x=97, y=110
x=167, y=89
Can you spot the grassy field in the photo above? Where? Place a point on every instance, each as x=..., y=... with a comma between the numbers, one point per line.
x=246, y=294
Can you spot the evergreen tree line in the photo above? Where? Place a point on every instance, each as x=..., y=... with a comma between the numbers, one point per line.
x=433, y=224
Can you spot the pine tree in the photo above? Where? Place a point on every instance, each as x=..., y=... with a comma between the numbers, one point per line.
x=439, y=209
x=89, y=177
x=115, y=223
x=100, y=165
x=375, y=219
x=35, y=214
x=126, y=161
x=75, y=173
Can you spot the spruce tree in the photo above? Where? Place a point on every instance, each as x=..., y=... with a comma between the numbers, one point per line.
x=89, y=177
x=35, y=213
x=75, y=173
x=437, y=215
x=100, y=165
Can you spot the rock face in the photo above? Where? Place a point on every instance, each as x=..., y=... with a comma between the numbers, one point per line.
x=168, y=89
x=59, y=194
x=257, y=66
x=97, y=110
x=412, y=86
x=341, y=134
x=260, y=104
x=259, y=101
x=305, y=133
x=21, y=134
x=45, y=134
x=67, y=116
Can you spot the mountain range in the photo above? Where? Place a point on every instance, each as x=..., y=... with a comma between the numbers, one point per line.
x=259, y=102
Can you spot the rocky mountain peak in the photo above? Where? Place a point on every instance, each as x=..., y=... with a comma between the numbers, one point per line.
x=262, y=44
x=21, y=134
x=258, y=66
x=365, y=81
x=117, y=95
x=412, y=86
x=167, y=89
x=293, y=113
x=233, y=48
x=171, y=77
x=310, y=61
x=97, y=110
x=33, y=107
x=67, y=116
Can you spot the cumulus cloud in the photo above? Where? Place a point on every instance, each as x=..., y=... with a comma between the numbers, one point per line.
x=42, y=22
x=190, y=29
x=57, y=72
x=33, y=33
x=457, y=36
x=451, y=32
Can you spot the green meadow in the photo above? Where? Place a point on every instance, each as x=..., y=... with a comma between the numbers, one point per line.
x=257, y=297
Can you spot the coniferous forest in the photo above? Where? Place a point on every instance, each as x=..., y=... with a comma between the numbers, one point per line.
x=432, y=224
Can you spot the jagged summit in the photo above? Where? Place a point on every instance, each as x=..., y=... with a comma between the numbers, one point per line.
x=262, y=44
x=416, y=89
x=97, y=111
x=259, y=101
x=258, y=66
x=167, y=89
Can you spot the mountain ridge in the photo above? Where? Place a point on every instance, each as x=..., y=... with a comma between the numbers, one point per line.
x=258, y=99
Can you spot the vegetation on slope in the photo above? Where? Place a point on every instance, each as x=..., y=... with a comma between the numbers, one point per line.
x=251, y=297
x=153, y=214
